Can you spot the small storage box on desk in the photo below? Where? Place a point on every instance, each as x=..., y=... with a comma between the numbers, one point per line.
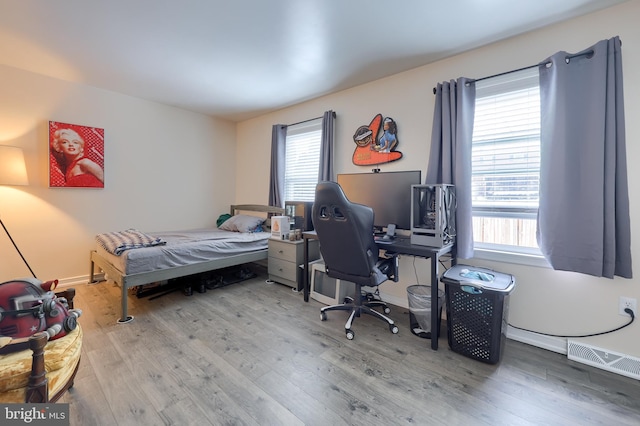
x=477, y=311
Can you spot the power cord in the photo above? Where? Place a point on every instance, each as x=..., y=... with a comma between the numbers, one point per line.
x=442, y=260
x=627, y=310
x=415, y=270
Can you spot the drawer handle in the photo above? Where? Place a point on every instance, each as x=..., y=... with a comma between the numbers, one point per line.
x=280, y=251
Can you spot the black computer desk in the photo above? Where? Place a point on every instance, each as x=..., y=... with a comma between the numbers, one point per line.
x=400, y=245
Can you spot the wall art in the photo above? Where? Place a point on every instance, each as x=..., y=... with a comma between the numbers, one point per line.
x=76, y=156
x=374, y=147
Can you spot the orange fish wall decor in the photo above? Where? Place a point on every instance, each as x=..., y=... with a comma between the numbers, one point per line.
x=375, y=147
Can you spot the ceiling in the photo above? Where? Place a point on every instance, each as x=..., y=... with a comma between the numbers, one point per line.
x=237, y=59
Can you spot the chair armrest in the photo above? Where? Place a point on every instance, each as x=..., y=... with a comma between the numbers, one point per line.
x=68, y=294
x=14, y=345
x=37, y=389
x=389, y=265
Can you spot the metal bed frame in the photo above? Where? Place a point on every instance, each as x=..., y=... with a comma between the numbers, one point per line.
x=125, y=282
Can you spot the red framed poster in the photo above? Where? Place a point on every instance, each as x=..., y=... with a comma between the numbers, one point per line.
x=76, y=156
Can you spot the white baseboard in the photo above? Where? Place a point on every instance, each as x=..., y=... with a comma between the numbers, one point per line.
x=395, y=301
x=73, y=281
x=554, y=344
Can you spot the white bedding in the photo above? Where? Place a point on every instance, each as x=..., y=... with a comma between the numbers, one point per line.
x=185, y=248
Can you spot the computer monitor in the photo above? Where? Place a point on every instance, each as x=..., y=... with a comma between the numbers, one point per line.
x=300, y=213
x=387, y=193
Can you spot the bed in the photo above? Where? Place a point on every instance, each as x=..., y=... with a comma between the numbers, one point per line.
x=182, y=253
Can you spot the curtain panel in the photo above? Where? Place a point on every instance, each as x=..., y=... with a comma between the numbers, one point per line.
x=450, y=152
x=326, y=147
x=583, y=217
x=278, y=157
x=276, y=178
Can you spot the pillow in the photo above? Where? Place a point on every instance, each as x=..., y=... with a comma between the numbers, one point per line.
x=242, y=223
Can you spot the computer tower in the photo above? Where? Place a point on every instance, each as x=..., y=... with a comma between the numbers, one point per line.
x=433, y=215
x=300, y=212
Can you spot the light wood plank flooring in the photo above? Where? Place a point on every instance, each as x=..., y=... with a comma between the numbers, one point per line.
x=254, y=353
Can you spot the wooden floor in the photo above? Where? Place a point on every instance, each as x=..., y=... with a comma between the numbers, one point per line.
x=254, y=353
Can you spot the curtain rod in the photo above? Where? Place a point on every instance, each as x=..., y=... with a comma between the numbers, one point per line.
x=567, y=58
x=311, y=119
x=304, y=121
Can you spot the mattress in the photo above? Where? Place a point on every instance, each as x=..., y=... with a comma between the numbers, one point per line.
x=186, y=248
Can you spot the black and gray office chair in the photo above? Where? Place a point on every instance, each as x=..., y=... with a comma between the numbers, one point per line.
x=345, y=232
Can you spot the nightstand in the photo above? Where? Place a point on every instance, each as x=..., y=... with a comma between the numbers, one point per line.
x=285, y=258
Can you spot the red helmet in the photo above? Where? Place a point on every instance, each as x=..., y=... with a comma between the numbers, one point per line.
x=26, y=308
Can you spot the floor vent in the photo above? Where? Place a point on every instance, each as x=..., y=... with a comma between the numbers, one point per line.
x=604, y=359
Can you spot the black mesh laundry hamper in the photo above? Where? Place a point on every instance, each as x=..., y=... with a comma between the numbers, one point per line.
x=477, y=302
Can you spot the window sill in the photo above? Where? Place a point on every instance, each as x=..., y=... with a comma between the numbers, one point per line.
x=511, y=257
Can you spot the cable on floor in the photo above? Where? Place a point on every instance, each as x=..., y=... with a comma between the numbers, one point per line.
x=628, y=311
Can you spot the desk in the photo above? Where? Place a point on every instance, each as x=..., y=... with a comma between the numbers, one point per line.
x=400, y=245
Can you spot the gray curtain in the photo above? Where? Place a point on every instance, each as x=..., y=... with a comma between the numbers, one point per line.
x=276, y=179
x=326, y=148
x=583, y=218
x=450, y=155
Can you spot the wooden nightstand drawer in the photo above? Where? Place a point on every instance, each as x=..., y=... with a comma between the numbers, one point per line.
x=283, y=269
x=286, y=250
x=285, y=259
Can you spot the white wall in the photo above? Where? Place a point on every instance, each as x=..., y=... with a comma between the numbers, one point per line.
x=544, y=300
x=165, y=168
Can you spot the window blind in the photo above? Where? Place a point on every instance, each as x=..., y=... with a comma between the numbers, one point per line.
x=302, y=160
x=506, y=145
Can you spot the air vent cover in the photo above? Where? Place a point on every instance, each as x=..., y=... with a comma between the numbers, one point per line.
x=625, y=365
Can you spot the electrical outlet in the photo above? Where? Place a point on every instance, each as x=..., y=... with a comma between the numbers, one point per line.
x=627, y=302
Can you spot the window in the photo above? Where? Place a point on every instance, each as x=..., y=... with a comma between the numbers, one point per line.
x=506, y=162
x=302, y=160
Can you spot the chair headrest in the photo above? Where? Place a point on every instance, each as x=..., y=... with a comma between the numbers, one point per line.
x=345, y=231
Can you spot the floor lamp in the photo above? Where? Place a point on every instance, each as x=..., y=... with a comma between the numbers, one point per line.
x=13, y=171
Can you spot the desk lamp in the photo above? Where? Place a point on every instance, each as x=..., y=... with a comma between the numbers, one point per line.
x=13, y=171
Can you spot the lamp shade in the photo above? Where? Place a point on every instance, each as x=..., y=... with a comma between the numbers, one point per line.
x=13, y=170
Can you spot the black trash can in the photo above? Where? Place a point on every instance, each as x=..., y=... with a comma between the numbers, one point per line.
x=420, y=310
x=477, y=311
